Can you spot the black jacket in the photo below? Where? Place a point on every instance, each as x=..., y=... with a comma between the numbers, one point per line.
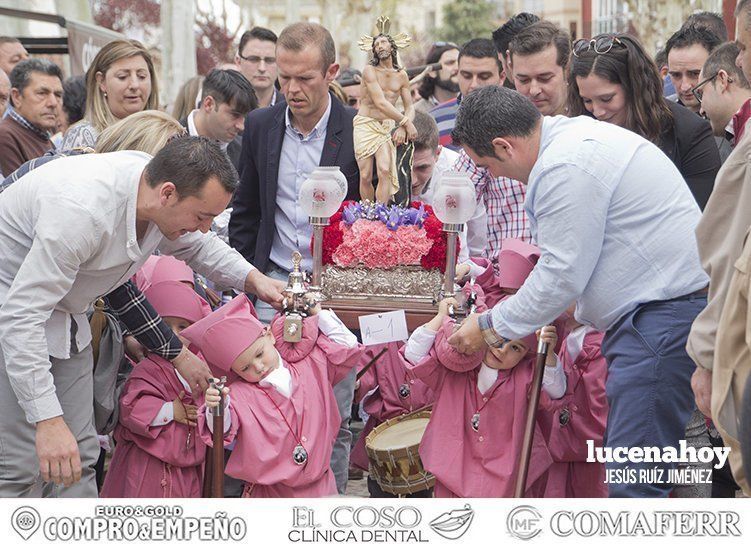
x=233, y=149
x=252, y=226
x=692, y=148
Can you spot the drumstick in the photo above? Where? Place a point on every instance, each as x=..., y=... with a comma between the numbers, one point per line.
x=418, y=410
x=371, y=363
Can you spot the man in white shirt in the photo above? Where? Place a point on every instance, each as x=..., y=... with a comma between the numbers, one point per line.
x=70, y=232
x=615, y=224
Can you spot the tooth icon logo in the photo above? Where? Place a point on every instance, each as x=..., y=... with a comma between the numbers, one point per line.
x=25, y=521
x=452, y=525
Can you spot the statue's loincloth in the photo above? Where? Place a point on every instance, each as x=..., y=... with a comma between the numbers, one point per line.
x=369, y=135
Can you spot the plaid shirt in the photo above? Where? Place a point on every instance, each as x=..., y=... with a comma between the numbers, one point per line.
x=140, y=319
x=504, y=202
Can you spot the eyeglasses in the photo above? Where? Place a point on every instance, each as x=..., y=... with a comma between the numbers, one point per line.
x=257, y=60
x=697, y=91
x=599, y=44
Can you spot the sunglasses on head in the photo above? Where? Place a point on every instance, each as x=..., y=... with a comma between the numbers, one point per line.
x=599, y=44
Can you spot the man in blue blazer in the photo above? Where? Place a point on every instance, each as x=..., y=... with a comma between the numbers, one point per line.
x=281, y=147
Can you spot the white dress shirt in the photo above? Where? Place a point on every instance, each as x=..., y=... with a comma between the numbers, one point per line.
x=614, y=220
x=68, y=237
x=193, y=131
x=300, y=155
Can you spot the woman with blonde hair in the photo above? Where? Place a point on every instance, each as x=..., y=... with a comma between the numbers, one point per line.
x=146, y=131
x=121, y=81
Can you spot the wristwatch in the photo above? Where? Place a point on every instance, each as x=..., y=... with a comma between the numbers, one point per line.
x=489, y=334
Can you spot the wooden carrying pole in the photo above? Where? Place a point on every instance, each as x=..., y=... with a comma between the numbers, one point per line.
x=217, y=453
x=529, y=425
x=206, y=492
x=213, y=469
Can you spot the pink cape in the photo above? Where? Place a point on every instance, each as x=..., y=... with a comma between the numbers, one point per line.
x=587, y=408
x=389, y=374
x=262, y=456
x=153, y=461
x=467, y=463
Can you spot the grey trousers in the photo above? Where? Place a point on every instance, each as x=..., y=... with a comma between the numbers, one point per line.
x=344, y=392
x=19, y=465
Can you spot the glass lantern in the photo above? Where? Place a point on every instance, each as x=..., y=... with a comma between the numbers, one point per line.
x=320, y=197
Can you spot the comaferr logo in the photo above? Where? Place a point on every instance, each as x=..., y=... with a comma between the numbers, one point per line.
x=454, y=524
x=587, y=523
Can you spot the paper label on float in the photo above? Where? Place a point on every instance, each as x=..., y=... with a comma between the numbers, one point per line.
x=383, y=328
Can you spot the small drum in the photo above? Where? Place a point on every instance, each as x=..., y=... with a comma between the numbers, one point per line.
x=394, y=460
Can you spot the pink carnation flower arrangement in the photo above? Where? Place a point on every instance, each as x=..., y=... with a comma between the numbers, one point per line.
x=374, y=245
x=381, y=236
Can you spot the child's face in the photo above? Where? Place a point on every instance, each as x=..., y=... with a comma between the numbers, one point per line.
x=507, y=356
x=256, y=362
x=177, y=324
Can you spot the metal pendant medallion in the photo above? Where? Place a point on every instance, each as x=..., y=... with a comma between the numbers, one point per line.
x=564, y=417
x=404, y=390
x=300, y=455
x=475, y=422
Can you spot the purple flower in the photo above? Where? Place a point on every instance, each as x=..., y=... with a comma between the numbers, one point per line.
x=421, y=215
x=382, y=212
x=395, y=219
x=411, y=215
x=350, y=215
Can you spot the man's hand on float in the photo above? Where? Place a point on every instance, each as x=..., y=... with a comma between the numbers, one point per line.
x=57, y=451
x=267, y=289
x=468, y=338
x=193, y=370
x=701, y=383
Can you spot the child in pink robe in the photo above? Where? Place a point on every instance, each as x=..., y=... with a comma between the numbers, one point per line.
x=158, y=452
x=580, y=415
x=391, y=392
x=282, y=413
x=474, y=437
